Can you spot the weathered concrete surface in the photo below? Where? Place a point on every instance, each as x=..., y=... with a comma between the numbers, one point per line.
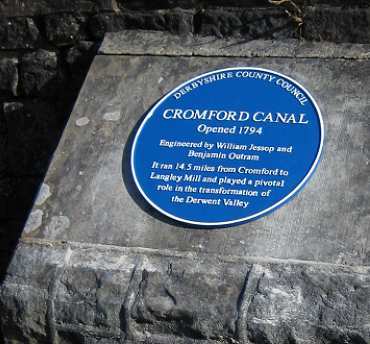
x=80, y=293
x=98, y=265
x=160, y=43
x=68, y=32
x=92, y=202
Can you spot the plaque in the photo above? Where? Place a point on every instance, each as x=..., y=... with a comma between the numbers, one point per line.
x=227, y=146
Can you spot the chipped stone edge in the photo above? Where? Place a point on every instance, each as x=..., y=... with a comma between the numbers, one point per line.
x=158, y=43
x=176, y=254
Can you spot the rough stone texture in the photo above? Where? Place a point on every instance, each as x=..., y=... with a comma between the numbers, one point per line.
x=39, y=73
x=83, y=293
x=37, y=7
x=37, y=90
x=18, y=33
x=332, y=23
x=175, y=21
x=97, y=265
x=120, y=43
x=76, y=55
x=63, y=29
x=157, y=4
x=9, y=76
x=249, y=24
x=160, y=43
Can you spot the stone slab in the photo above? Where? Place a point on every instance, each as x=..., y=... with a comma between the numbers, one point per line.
x=94, y=200
x=138, y=42
x=82, y=293
x=96, y=264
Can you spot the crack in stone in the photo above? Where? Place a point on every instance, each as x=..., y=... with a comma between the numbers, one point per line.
x=250, y=286
x=127, y=332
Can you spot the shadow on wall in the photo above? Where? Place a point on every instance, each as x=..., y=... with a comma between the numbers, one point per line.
x=31, y=124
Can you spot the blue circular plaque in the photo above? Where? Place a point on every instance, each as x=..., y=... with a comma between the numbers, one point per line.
x=227, y=146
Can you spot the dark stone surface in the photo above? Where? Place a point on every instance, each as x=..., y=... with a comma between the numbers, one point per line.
x=80, y=55
x=37, y=7
x=9, y=76
x=39, y=73
x=174, y=21
x=62, y=29
x=65, y=22
x=337, y=25
x=157, y=4
x=247, y=24
x=105, y=22
x=18, y=33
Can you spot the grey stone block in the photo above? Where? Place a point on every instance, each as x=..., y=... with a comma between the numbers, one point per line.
x=319, y=222
x=92, y=298
x=315, y=307
x=187, y=305
x=160, y=43
x=24, y=314
x=24, y=301
x=81, y=292
x=104, y=267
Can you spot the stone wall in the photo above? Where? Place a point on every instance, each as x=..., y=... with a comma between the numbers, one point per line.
x=83, y=294
x=46, y=47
